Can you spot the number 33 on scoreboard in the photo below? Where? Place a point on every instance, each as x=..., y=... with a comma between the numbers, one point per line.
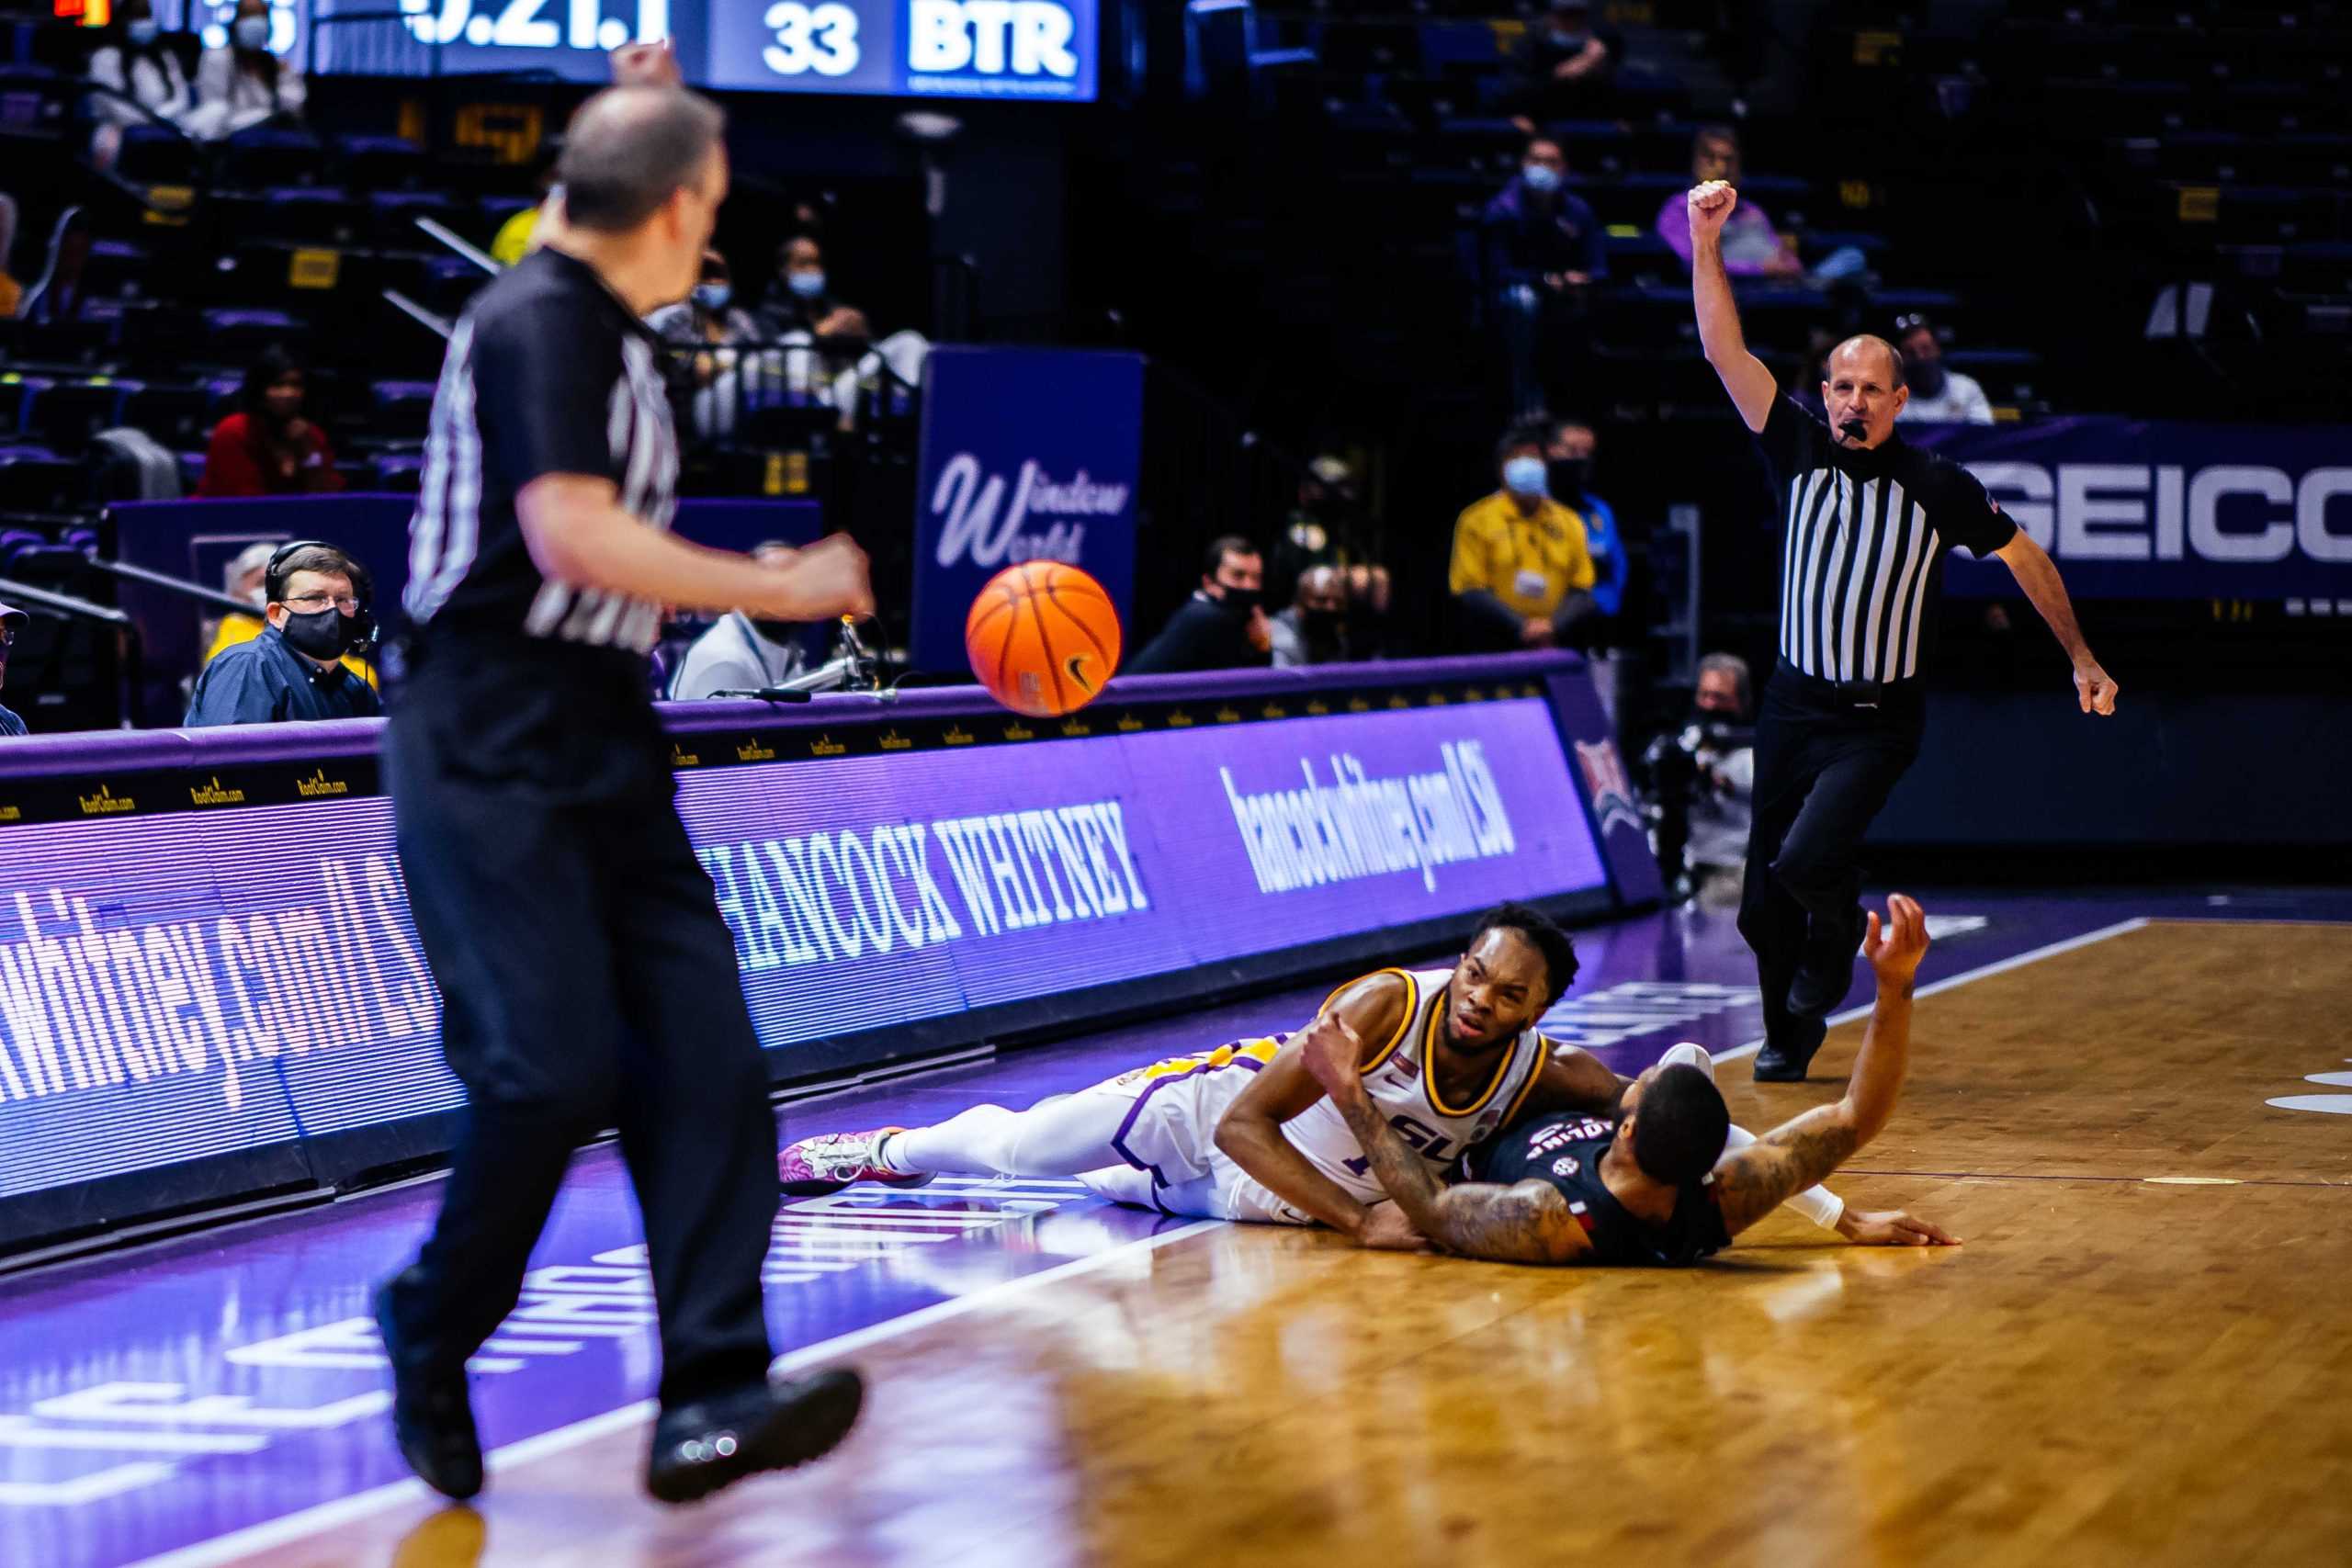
x=823, y=38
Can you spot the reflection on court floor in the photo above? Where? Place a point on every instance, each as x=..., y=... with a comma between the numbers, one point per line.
x=2135, y=1353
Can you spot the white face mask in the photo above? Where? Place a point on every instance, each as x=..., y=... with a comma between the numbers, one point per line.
x=250, y=32
x=143, y=32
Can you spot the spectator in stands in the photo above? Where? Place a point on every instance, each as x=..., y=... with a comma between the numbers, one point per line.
x=1328, y=528
x=12, y=293
x=246, y=578
x=1520, y=572
x=293, y=669
x=801, y=299
x=1543, y=251
x=1569, y=467
x=268, y=447
x=242, y=85
x=11, y=619
x=710, y=321
x=1222, y=625
x=519, y=234
x=144, y=72
x=1937, y=395
x=1314, y=630
x=738, y=653
x=1752, y=247
x=1564, y=67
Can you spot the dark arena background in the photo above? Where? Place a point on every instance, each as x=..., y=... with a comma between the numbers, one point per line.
x=1387, y=312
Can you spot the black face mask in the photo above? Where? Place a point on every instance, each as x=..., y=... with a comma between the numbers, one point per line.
x=1240, y=602
x=1925, y=376
x=322, y=633
x=1568, y=475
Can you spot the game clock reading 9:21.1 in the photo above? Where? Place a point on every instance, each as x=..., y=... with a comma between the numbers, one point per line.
x=1011, y=49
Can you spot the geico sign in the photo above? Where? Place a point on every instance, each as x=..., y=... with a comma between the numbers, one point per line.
x=994, y=37
x=2138, y=512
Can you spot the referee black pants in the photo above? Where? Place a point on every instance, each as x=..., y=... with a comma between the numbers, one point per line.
x=1824, y=766
x=587, y=981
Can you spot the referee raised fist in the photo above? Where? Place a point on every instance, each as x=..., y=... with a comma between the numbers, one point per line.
x=1710, y=206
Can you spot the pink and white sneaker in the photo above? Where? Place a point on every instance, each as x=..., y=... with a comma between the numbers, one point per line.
x=831, y=1161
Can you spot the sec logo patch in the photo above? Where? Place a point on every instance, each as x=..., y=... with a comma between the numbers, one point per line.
x=1565, y=1166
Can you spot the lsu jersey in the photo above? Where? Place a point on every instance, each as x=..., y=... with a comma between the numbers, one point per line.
x=1168, y=1136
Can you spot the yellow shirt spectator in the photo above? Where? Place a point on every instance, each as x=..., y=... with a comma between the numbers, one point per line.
x=235, y=629
x=1529, y=560
x=513, y=238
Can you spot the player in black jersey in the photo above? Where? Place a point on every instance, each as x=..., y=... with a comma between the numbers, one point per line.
x=1646, y=1188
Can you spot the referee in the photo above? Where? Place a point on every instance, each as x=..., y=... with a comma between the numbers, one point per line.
x=1865, y=522
x=586, y=979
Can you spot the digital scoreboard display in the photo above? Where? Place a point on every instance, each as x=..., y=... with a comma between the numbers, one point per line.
x=940, y=49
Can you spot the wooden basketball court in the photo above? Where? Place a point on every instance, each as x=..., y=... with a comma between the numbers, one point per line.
x=2141, y=1356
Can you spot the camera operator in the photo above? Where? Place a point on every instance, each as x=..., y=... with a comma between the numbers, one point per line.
x=1702, y=781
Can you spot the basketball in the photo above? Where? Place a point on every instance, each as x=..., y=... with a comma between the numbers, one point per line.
x=1042, y=638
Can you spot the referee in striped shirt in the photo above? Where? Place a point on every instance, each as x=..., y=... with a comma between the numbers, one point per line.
x=1865, y=521
x=586, y=979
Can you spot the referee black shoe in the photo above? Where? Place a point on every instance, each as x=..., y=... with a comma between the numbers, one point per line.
x=1825, y=972
x=1785, y=1061
x=433, y=1419
x=699, y=1448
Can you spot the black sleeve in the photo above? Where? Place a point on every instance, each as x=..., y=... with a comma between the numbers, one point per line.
x=543, y=388
x=1792, y=439
x=1177, y=648
x=1959, y=509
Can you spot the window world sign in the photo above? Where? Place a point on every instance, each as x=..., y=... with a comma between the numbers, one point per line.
x=162, y=1005
x=1011, y=49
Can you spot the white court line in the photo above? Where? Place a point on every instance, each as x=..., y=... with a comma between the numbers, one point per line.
x=343, y=1510
x=2003, y=968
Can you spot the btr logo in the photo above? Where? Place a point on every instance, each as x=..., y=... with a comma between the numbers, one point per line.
x=992, y=38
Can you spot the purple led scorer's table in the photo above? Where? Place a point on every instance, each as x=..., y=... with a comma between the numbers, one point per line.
x=211, y=989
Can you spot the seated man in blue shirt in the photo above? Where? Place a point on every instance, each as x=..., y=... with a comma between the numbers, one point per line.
x=10, y=619
x=293, y=669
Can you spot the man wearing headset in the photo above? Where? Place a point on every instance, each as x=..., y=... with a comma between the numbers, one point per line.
x=317, y=613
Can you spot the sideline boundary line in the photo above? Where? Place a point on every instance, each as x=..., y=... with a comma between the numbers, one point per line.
x=323, y=1516
x=2001, y=966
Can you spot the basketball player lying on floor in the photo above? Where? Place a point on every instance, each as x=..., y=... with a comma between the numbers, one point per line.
x=1445, y=1059
x=1655, y=1185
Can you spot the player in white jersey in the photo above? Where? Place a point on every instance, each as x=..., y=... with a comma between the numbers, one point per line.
x=1244, y=1132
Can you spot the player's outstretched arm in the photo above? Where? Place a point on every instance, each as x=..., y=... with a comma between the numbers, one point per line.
x=1796, y=1155
x=1744, y=377
x=1528, y=1223
x=1571, y=1079
x=1250, y=1132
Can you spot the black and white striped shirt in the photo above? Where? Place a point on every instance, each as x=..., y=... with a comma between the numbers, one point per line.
x=515, y=676
x=1863, y=535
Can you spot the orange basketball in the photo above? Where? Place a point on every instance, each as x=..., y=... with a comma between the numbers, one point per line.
x=1042, y=638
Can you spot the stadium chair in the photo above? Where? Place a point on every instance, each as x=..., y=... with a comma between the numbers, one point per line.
x=33, y=478
x=401, y=409
x=378, y=163
x=114, y=269
x=267, y=157
x=63, y=414
x=234, y=336
x=400, y=473
x=307, y=215
x=13, y=394
x=191, y=471
x=155, y=156
x=393, y=215
x=176, y=416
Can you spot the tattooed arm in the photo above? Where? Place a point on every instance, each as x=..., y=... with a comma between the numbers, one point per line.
x=1528, y=1223
x=1797, y=1154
